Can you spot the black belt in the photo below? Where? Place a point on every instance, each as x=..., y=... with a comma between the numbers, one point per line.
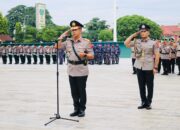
x=76, y=62
x=165, y=53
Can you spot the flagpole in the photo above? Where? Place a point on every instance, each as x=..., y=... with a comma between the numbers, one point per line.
x=115, y=21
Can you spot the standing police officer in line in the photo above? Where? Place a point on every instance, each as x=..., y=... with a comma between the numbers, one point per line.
x=4, y=54
x=41, y=54
x=34, y=54
x=48, y=54
x=10, y=53
x=21, y=54
x=172, y=55
x=145, y=50
x=28, y=54
x=78, y=50
x=178, y=55
x=165, y=57
x=117, y=53
x=54, y=51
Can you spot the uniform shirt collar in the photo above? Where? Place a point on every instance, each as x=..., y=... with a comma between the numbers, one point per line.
x=145, y=40
x=78, y=40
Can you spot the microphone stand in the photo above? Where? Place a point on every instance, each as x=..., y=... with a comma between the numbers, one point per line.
x=57, y=115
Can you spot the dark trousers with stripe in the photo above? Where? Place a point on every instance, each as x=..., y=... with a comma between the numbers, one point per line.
x=78, y=91
x=146, y=80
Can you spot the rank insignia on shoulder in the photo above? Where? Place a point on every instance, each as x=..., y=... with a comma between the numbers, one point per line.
x=90, y=45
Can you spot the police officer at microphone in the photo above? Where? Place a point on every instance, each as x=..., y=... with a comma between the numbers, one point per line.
x=78, y=51
x=145, y=50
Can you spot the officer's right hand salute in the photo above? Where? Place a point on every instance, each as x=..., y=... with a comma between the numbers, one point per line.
x=62, y=36
x=65, y=34
x=129, y=39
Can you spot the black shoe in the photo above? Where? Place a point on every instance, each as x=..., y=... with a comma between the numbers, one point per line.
x=134, y=73
x=179, y=73
x=142, y=106
x=148, y=107
x=164, y=74
x=75, y=113
x=81, y=113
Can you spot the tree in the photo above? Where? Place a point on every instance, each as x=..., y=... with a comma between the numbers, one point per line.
x=18, y=32
x=3, y=24
x=30, y=34
x=55, y=32
x=26, y=15
x=105, y=35
x=60, y=29
x=48, y=35
x=129, y=24
x=94, y=27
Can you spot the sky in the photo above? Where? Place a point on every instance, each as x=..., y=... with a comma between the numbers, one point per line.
x=163, y=12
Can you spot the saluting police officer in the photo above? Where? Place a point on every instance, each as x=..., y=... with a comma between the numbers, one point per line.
x=78, y=50
x=145, y=50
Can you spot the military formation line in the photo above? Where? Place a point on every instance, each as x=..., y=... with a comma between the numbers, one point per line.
x=25, y=54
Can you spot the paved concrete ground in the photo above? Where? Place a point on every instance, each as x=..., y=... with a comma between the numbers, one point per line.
x=28, y=99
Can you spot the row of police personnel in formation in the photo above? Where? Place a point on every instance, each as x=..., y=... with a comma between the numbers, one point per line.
x=169, y=51
x=107, y=54
x=24, y=54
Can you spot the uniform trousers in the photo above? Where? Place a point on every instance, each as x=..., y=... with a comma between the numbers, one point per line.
x=145, y=81
x=10, y=58
x=35, y=58
x=165, y=63
x=178, y=63
x=172, y=65
x=41, y=58
x=54, y=58
x=22, y=57
x=28, y=59
x=48, y=58
x=4, y=58
x=78, y=91
x=159, y=65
